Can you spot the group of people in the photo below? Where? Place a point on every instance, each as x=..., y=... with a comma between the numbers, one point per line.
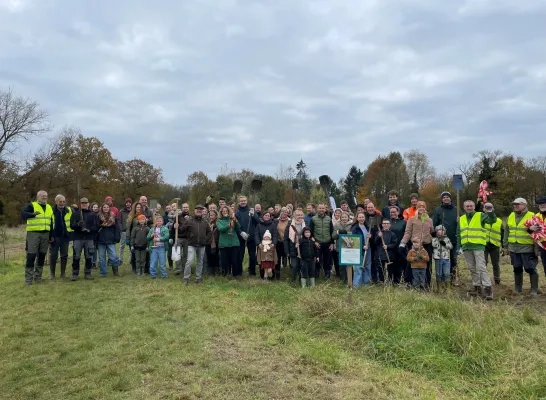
x=400, y=245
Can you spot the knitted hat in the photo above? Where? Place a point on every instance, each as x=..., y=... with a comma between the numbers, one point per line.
x=445, y=194
x=141, y=216
x=414, y=195
x=421, y=203
x=439, y=228
x=108, y=198
x=541, y=200
x=128, y=200
x=267, y=234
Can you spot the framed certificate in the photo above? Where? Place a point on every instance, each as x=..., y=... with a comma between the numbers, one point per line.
x=350, y=249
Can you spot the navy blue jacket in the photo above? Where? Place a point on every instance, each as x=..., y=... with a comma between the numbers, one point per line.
x=59, y=229
x=90, y=222
x=243, y=217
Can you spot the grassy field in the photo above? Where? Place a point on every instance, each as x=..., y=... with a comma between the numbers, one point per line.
x=134, y=338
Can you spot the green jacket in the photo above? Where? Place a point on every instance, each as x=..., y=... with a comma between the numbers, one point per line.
x=228, y=235
x=486, y=218
x=322, y=229
x=163, y=236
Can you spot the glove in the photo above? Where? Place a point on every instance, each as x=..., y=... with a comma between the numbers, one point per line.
x=132, y=249
x=171, y=242
x=127, y=242
x=244, y=235
x=535, y=228
x=443, y=242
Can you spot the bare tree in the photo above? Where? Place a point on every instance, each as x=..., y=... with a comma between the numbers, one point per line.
x=20, y=119
x=418, y=167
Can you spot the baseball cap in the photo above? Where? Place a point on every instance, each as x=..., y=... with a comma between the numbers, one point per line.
x=541, y=200
x=520, y=200
x=84, y=200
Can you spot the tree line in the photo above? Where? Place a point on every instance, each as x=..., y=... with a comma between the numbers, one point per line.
x=75, y=165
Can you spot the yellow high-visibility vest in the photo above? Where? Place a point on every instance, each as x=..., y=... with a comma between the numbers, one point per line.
x=67, y=217
x=42, y=221
x=518, y=232
x=472, y=232
x=494, y=232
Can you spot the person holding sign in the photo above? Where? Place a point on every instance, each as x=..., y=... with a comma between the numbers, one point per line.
x=343, y=226
x=362, y=273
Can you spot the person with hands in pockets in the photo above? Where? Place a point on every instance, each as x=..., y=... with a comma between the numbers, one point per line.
x=139, y=243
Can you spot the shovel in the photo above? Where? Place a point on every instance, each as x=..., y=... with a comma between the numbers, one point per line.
x=389, y=262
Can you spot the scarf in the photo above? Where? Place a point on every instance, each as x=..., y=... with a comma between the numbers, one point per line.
x=293, y=230
x=108, y=219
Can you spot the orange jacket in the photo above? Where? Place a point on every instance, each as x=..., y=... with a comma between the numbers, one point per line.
x=410, y=212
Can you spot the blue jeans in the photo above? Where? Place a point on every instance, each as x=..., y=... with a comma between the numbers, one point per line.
x=419, y=277
x=158, y=254
x=443, y=268
x=111, y=250
x=363, y=276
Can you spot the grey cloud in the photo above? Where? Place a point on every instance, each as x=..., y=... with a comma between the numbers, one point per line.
x=196, y=85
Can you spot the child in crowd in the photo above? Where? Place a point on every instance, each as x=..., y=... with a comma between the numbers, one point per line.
x=309, y=256
x=418, y=258
x=386, y=243
x=158, y=236
x=267, y=255
x=139, y=244
x=441, y=246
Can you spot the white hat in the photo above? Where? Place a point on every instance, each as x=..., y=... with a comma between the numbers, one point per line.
x=520, y=200
x=267, y=234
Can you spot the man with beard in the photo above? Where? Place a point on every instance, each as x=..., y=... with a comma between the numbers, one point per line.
x=62, y=234
x=248, y=219
x=310, y=214
x=446, y=215
x=123, y=215
x=373, y=224
x=39, y=218
x=182, y=238
x=393, y=201
x=149, y=216
x=322, y=230
x=198, y=234
x=85, y=224
x=412, y=209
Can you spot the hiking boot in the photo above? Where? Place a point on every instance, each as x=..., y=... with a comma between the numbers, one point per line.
x=518, y=282
x=116, y=271
x=534, y=284
x=28, y=283
x=488, y=290
x=88, y=277
x=74, y=278
x=303, y=282
x=497, y=281
x=38, y=280
x=51, y=277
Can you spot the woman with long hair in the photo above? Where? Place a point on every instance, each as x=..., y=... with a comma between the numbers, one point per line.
x=282, y=222
x=212, y=248
x=292, y=236
x=94, y=259
x=228, y=242
x=108, y=236
x=132, y=222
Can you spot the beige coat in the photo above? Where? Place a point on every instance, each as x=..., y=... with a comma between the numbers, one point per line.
x=416, y=229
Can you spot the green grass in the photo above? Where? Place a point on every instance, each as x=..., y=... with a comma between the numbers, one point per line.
x=134, y=338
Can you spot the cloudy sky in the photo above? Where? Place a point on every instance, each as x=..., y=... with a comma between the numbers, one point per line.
x=196, y=84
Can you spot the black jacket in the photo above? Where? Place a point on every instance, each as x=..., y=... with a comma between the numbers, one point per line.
x=90, y=222
x=263, y=226
x=59, y=229
x=28, y=213
x=391, y=242
x=446, y=215
x=109, y=234
x=308, y=251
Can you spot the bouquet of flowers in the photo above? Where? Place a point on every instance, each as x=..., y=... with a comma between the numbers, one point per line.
x=539, y=236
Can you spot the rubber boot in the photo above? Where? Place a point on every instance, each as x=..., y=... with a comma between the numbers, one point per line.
x=534, y=284
x=476, y=292
x=303, y=282
x=29, y=268
x=488, y=290
x=311, y=282
x=52, y=271
x=63, y=267
x=518, y=282
x=115, y=270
